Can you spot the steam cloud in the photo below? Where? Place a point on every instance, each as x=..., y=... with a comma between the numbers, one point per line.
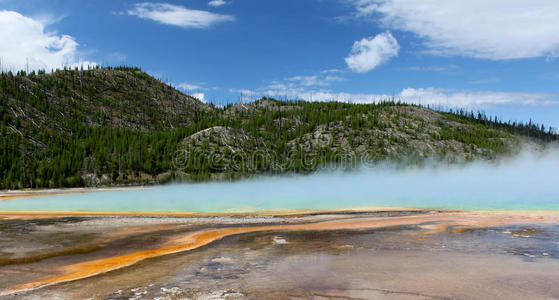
x=528, y=181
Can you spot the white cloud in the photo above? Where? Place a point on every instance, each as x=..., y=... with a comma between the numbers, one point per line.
x=190, y=87
x=217, y=3
x=369, y=53
x=48, y=19
x=242, y=91
x=199, y=96
x=493, y=79
x=26, y=45
x=433, y=68
x=424, y=96
x=245, y=95
x=315, y=80
x=300, y=83
x=494, y=29
x=176, y=15
x=331, y=78
x=331, y=71
x=477, y=99
x=308, y=80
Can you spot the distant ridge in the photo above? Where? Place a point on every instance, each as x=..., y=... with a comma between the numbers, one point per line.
x=110, y=126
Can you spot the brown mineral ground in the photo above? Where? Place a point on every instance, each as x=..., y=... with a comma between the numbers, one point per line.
x=432, y=223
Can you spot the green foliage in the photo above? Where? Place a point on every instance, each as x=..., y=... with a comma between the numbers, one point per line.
x=75, y=128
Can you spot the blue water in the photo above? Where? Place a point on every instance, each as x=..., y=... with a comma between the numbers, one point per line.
x=525, y=183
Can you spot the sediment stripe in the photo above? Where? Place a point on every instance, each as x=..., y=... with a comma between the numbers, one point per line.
x=197, y=239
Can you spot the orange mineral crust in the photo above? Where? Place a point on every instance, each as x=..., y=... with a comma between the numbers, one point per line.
x=197, y=239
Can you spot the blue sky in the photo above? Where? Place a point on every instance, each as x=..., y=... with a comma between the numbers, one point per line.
x=499, y=56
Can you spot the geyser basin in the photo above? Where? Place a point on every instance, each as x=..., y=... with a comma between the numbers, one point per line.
x=527, y=182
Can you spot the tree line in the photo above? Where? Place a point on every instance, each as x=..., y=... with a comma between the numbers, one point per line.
x=77, y=127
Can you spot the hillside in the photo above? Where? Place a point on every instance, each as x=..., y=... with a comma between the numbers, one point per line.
x=121, y=126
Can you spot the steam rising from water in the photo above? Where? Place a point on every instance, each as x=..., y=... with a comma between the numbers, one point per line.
x=527, y=182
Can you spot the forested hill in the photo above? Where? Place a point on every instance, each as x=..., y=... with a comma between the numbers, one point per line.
x=111, y=126
x=70, y=100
